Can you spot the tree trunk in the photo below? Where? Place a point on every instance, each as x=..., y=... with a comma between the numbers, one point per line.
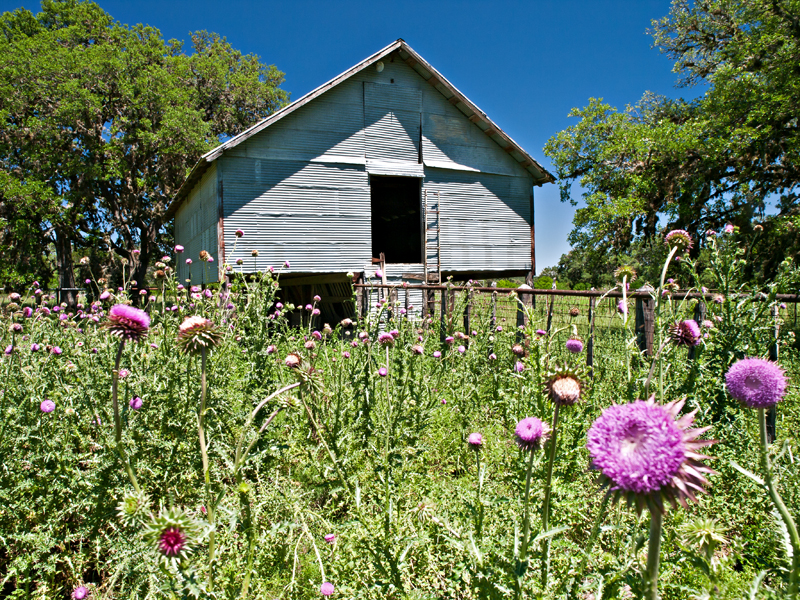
x=147, y=245
x=66, y=274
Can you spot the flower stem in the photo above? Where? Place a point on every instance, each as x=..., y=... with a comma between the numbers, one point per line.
x=546, y=504
x=794, y=574
x=123, y=456
x=653, y=554
x=587, y=549
x=526, y=532
x=478, y=504
x=206, y=474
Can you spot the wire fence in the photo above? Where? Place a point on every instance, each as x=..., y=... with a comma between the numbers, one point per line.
x=594, y=315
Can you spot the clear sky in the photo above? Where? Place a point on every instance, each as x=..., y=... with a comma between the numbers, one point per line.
x=524, y=63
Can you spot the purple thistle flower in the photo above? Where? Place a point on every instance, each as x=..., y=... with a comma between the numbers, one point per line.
x=386, y=339
x=437, y=354
x=379, y=274
x=462, y=349
x=9, y=350
x=35, y=347
x=316, y=335
x=188, y=261
x=394, y=333
x=646, y=455
x=622, y=308
x=127, y=322
x=315, y=312
x=287, y=265
x=178, y=248
x=449, y=340
x=679, y=238
x=27, y=312
x=756, y=383
x=105, y=295
x=317, y=299
x=171, y=541
x=541, y=332
x=493, y=356
x=728, y=228
x=136, y=403
x=239, y=233
x=47, y=406
x=574, y=345
x=330, y=538
x=346, y=354
x=326, y=589
x=685, y=333
x=56, y=350
x=519, y=367
x=530, y=433
x=475, y=440
x=80, y=593
x=383, y=372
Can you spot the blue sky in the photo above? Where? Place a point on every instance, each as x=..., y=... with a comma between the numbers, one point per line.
x=526, y=64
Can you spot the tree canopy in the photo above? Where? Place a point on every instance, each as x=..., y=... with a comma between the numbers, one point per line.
x=724, y=157
x=100, y=123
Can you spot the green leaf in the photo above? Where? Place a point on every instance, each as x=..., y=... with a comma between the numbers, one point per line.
x=747, y=473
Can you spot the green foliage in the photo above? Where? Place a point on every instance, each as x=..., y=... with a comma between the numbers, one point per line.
x=381, y=462
x=101, y=122
x=695, y=165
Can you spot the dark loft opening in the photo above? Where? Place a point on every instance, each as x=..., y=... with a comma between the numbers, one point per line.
x=396, y=219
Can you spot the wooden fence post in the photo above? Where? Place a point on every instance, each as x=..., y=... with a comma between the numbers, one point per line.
x=523, y=303
x=773, y=356
x=494, y=307
x=443, y=316
x=645, y=321
x=699, y=315
x=451, y=307
x=590, y=342
x=467, y=311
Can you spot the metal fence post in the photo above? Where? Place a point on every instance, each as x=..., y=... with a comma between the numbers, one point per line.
x=590, y=342
x=699, y=316
x=550, y=302
x=443, y=316
x=494, y=307
x=645, y=321
x=467, y=311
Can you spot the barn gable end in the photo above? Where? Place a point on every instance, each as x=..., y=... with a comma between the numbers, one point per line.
x=299, y=184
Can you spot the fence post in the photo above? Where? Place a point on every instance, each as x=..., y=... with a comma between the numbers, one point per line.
x=451, y=307
x=645, y=321
x=773, y=356
x=590, y=342
x=494, y=307
x=360, y=299
x=467, y=311
x=443, y=316
x=699, y=316
x=550, y=302
x=523, y=302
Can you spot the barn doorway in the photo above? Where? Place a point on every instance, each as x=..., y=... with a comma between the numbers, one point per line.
x=396, y=218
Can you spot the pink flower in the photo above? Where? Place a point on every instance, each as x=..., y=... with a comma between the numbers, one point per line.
x=178, y=248
x=326, y=589
x=330, y=538
x=383, y=372
x=379, y=274
x=475, y=440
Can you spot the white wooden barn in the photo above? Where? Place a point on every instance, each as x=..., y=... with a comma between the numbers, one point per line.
x=387, y=158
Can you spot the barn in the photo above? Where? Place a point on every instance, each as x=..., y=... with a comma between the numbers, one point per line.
x=388, y=165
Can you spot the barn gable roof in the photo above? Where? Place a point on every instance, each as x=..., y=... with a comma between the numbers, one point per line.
x=426, y=71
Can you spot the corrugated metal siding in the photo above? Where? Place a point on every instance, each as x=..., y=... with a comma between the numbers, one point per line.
x=331, y=126
x=316, y=216
x=484, y=219
x=196, y=229
x=391, y=122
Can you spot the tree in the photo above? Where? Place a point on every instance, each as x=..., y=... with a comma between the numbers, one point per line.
x=696, y=165
x=102, y=121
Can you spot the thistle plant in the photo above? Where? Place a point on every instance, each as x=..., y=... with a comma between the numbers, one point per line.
x=649, y=456
x=761, y=384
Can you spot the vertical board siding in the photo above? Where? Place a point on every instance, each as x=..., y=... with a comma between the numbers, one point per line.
x=485, y=219
x=196, y=229
x=316, y=216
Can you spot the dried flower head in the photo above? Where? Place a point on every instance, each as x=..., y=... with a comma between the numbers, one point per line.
x=564, y=386
x=625, y=272
x=680, y=239
x=293, y=360
x=518, y=349
x=685, y=333
x=574, y=312
x=531, y=433
x=196, y=334
x=254, y=253
x=204, y=255
x=646, y=455
x=127, y=322
x=756, y=383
